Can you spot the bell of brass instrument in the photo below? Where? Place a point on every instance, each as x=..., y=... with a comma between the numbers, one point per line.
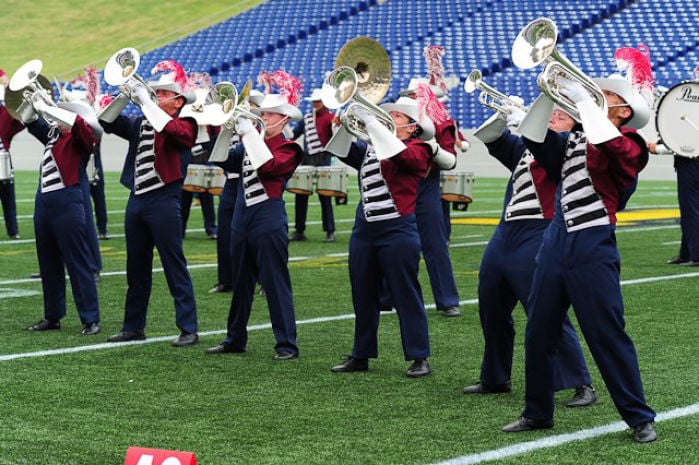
x=489, y=97
x=120, y=71
x=226, y=105
x=29, y=93
x=536, y=44
x=361, y=78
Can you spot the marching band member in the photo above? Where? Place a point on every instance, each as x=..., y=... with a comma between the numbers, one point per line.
x=226, y=208
x=578, y=262
x=60, y=216
x=316, y=126
x=431, y=222
x=152, y=172
x=507, y=265
x=9, y=127
x=687, y=170
x=385, y=243
x=259, y=240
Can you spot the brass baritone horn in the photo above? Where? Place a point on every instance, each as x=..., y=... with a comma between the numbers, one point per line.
x=227, y=105
x=120, y=71
x=361, y=78
x=29, y=93
x=489, y=96
x=536, y=44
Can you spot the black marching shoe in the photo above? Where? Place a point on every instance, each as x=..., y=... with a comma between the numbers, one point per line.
x=584, y=396
x=220, y=288
x=480, y=388
x=452, y=312
x=677, y=260
x=90, y=328
x=329, y=237
x=645, y=432
x=222, y=349
x=419, y=368
x=350, y=365
x=126, y=336
x=45, y=325
x=186, y=339
x=526, y=424
x=298, y=236
x=285, y=355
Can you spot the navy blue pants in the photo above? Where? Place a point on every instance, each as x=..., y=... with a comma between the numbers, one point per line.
x=390, y=250
x=260, y=252
x=226, y=207
x=98, y=198
x=207, y=210
x=60, y=227
x=688, y=198
x=90, y=231
x=9, y=206
x=326, y=209
x=505, y=278
x=581, y=268
x=434, y=242
x=153, y=220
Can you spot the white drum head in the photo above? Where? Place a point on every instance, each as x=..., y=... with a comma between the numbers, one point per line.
x=677, y=119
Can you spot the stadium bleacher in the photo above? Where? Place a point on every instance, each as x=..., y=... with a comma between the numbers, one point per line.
x=476, y=34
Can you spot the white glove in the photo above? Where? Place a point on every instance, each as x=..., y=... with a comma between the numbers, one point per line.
x=434, y=146
x=515, y=115
x=364, y=116
x=573, y=90
x=243, y=126
x=141, y=94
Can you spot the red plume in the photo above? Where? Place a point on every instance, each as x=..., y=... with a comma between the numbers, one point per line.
x=636, y=63
x=265, y=79
x=173, y=67
x=288, y=85
x=92, y=84
x=102, y=102
x=433, y=54
x=428, y=103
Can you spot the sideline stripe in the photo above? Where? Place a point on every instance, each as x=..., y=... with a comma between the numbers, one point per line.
x=116, y=345
x=560, y=439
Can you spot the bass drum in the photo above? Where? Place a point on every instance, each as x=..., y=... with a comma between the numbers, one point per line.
x=677, y=119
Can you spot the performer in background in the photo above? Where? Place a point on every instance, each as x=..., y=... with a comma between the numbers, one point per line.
x=385, y=243
x=9, y=127
x=316, y=127
x=507, y=265
x=687, y=170
x=259, y=230
x=578, y=262
x=431, y=222
x=153, y=174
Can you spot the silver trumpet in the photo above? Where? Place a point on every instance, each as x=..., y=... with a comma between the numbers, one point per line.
x=489, y=97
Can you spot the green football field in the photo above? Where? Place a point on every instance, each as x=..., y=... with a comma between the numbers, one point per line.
x=73, y=399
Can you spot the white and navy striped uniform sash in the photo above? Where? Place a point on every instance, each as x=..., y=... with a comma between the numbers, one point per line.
x=50, y=175
x=311, y=133
x=145, y=177
x=581, y=204
x=524, y=203
x=253, y=188
x=376, y=198
x=235, y=140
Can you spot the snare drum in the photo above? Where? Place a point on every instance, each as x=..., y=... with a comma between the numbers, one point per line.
x=204, y=178
x=332, y=181
x=215, y=180
x=302, y=180
x=5, y=166
x=457, y=186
